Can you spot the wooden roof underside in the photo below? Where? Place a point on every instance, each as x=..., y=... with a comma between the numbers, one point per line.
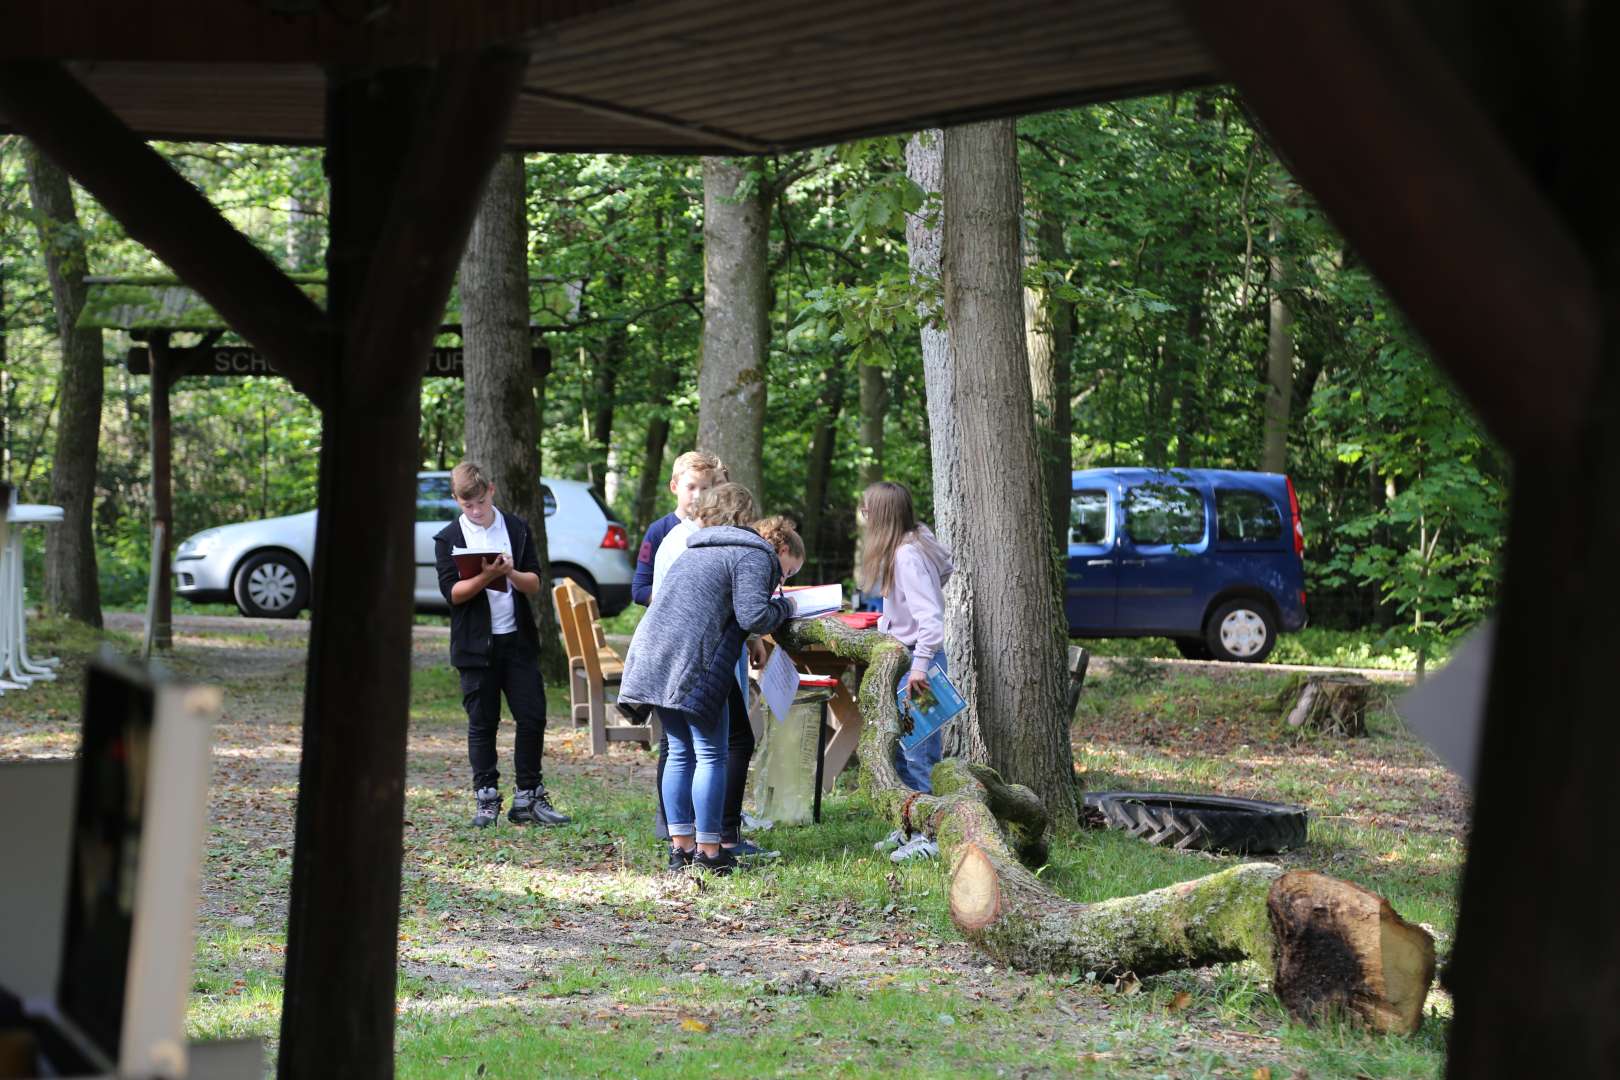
x=656, y=76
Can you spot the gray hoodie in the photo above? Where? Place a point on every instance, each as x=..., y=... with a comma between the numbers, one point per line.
x=686, y=647
x=914, y=607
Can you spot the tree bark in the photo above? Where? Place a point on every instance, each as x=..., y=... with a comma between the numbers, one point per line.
x=823, y=445
x=1279, y=350
x=736, y=314
x=501, y=430
x=1049, y=337
x=651, y=480
x=605, y=390
x=661, y=387
x=1017, y=623
x=874, y=404
x=71, y=584
x=1332, y=704
x=1328, y=943
x=924, y=241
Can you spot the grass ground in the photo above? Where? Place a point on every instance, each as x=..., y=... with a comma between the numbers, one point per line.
x=567, y=952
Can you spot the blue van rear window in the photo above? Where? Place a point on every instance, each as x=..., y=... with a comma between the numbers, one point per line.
x=1246, y=516
x=1164, y=514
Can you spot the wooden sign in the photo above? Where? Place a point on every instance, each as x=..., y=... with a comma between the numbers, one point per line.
x=238, y=361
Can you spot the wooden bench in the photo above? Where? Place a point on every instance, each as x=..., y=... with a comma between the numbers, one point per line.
x=593, y=667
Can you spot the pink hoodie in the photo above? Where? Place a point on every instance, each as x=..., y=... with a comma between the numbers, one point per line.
x=914, y=608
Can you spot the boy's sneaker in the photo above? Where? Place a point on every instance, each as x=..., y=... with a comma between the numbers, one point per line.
x=679, y=859
x=489, y=807
x=722, y=863
x=533, y=807
x=898, y=838
x=747, y=849
x=918, y=847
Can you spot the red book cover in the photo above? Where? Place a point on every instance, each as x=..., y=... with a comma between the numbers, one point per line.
x=470, y=563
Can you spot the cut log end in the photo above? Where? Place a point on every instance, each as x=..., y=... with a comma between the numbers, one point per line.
x=975, y=890
x=1341, y=948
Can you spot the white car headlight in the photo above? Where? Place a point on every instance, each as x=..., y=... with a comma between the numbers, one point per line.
x=198, y=546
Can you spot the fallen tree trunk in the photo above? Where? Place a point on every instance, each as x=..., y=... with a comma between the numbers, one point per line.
x=1331, y=946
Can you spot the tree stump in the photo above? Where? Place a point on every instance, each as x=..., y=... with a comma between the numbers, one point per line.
x=1331, y=704
x=1342, y=945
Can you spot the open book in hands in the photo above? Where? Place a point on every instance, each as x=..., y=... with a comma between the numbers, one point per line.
x=470, y=563
x=812, y=600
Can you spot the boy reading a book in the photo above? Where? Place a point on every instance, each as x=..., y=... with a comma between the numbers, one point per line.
x=495, y=646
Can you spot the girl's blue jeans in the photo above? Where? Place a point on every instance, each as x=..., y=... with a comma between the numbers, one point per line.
x=694, y=786
x=915, y=765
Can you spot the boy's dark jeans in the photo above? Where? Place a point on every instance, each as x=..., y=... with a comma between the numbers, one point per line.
x=513, y=669
x=739, y=749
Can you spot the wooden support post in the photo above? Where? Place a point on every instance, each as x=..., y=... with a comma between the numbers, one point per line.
x=160, y=610
x=407, y=153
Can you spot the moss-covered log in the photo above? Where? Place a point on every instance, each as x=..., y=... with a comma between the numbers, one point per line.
x=1329, y=944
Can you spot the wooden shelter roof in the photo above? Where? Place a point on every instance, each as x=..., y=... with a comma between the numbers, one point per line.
x=648, y=76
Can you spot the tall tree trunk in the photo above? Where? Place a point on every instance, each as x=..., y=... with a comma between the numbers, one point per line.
x=874, y=404
x=925, y=153
x=823, y=445
x=661, y=387
x=1279, y=350
x=736, y=314
x=501, y=430
x=1191, y=412
x=1049, y=338
x=1017, y=619
x=71, y=585
x=605, y=386
x=652, y=478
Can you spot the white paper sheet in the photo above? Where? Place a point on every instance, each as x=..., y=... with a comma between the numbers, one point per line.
x=778, y=682
x=1447, y=710
x=815, y=600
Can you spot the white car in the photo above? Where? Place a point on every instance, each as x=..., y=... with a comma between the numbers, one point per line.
x=264, y=566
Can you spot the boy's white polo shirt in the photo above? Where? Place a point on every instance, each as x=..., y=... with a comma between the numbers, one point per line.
x=673, y=545
x=494, y=538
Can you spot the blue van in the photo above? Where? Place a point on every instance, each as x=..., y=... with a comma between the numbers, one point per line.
x=1209, y=557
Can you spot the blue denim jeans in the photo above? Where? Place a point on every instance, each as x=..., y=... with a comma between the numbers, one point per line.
x=915, y=765
x=694, y=785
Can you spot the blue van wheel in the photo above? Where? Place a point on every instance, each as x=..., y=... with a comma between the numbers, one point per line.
x=1242, y=630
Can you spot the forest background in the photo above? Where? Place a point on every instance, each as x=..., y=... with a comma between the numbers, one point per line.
x=1208, y=314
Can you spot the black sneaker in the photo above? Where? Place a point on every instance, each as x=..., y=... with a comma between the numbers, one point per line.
x=533, y=807
x=489, y=807
x=679, y=859
x=724, y=862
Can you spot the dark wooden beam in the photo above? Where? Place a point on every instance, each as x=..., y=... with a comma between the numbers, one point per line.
x=408, y=153
x=170, y=217
x=1371, y=118
x=430, y=213
x=160, y=617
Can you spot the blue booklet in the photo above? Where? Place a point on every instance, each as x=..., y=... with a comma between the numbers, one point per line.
x=931, y=712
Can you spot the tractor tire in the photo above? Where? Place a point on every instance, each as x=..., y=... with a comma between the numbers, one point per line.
x=1203, y=822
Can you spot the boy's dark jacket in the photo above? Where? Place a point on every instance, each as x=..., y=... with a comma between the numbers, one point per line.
x=470, y=638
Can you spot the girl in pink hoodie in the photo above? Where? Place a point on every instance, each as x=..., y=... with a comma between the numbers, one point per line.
x=902, y=560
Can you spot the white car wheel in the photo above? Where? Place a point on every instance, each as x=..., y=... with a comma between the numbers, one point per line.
x=1242, y=630
x=271, y=585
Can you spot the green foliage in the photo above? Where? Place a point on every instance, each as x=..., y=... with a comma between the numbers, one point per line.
x=1166, y=209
